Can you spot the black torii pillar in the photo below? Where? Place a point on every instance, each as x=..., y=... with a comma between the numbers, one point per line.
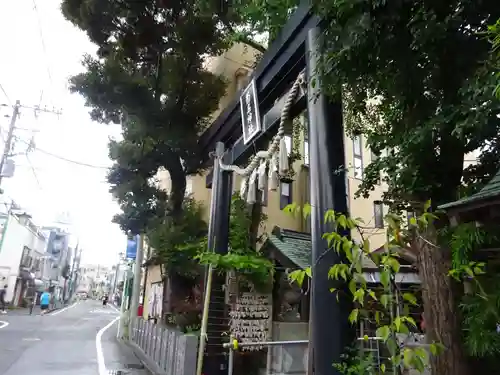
x=215, y=361
x=330, y=332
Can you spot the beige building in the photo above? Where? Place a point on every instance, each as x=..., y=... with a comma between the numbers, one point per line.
x=235, y=66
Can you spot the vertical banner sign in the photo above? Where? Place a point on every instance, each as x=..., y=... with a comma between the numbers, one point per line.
x=250, y=116
x=132, y=247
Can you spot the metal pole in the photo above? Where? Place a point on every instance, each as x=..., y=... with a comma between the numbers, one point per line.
x=331, y=332
x=136, y=290
x=123, y=306
x=219, y=151
x=120, y=255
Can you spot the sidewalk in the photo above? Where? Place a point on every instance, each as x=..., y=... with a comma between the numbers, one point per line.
x=19, y=311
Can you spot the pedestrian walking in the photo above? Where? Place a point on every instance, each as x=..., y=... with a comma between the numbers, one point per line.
x=44, y=302
x=3, y=294
x=33, y=303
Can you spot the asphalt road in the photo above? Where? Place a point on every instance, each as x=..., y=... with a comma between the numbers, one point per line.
x=77, y=340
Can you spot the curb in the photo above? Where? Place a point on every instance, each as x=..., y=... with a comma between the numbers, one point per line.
x=152, y=368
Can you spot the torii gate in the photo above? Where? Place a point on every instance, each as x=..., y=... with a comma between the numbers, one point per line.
x=294, y=51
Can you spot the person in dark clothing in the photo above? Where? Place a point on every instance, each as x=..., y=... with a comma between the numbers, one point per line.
x=3, y=294
x=105, y=300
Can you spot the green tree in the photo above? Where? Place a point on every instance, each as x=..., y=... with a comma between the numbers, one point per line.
x=251, y=22
x=415, y=79
x=148, y=75
x=494, y=33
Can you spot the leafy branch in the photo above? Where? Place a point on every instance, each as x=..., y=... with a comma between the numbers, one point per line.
x=243, y=257
x=387, y=307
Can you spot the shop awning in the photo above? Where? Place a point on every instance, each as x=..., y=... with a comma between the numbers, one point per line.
x=39, y=284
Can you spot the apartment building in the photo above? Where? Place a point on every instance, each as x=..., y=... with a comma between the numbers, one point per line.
x=24, y=266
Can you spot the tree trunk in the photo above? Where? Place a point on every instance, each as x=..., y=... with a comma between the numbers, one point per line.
x=441, y=315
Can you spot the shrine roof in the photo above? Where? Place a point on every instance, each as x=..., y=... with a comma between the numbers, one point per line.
x=490, y=191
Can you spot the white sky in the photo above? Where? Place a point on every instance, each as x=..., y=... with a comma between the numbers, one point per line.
x=54, y=186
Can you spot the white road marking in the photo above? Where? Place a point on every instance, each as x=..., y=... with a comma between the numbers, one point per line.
x=64, y=309
x=31, y=339
x=3, y=324
x=98, y=347
x=114, y=307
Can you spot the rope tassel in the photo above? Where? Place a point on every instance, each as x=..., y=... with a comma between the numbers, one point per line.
x=262, y=175
x=283, y=157
x=243, y=188
x=273, y=174
x=252, y=188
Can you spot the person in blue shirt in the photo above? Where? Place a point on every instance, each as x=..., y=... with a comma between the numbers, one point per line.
x=45, y=302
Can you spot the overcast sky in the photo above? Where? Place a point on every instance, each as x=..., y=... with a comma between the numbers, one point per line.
x=40, y=52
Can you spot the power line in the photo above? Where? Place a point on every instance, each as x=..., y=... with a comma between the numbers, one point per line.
x=81, y=163
x=42, y=39
x=34, y=172
x=5, y=93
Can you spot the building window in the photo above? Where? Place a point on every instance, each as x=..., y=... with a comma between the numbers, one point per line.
x=263, y=196
x=306, y=152
x=189, y=187
x=378, y=213
x=285, y=194
x=347, y=192
x=241, y=79
x=374, y=157
x=358, y=157
x=409, y=216
x=305, y=120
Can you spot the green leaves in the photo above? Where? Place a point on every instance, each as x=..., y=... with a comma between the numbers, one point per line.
x=409, y=76
x=150, y=78
x=250, y=266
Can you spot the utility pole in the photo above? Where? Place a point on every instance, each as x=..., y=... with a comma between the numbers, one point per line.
x=10, y=135
x=136, y=290
x=73, y=272
x=117, y=270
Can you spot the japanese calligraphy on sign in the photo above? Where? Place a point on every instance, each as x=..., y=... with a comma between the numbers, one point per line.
x=250, y=116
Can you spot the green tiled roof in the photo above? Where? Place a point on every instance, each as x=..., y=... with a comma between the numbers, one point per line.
x=491, y=190
x=298, y=250
x=296, y=247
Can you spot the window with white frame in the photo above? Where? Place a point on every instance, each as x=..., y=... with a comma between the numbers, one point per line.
x=189, y=187
x=305, y=121
x=374, y=157
x=409, y=215
x=285, y=194
x=358, y=157
x=263, y=196
x=378, y=214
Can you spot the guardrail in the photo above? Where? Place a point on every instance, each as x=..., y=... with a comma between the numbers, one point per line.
x=291, y=357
